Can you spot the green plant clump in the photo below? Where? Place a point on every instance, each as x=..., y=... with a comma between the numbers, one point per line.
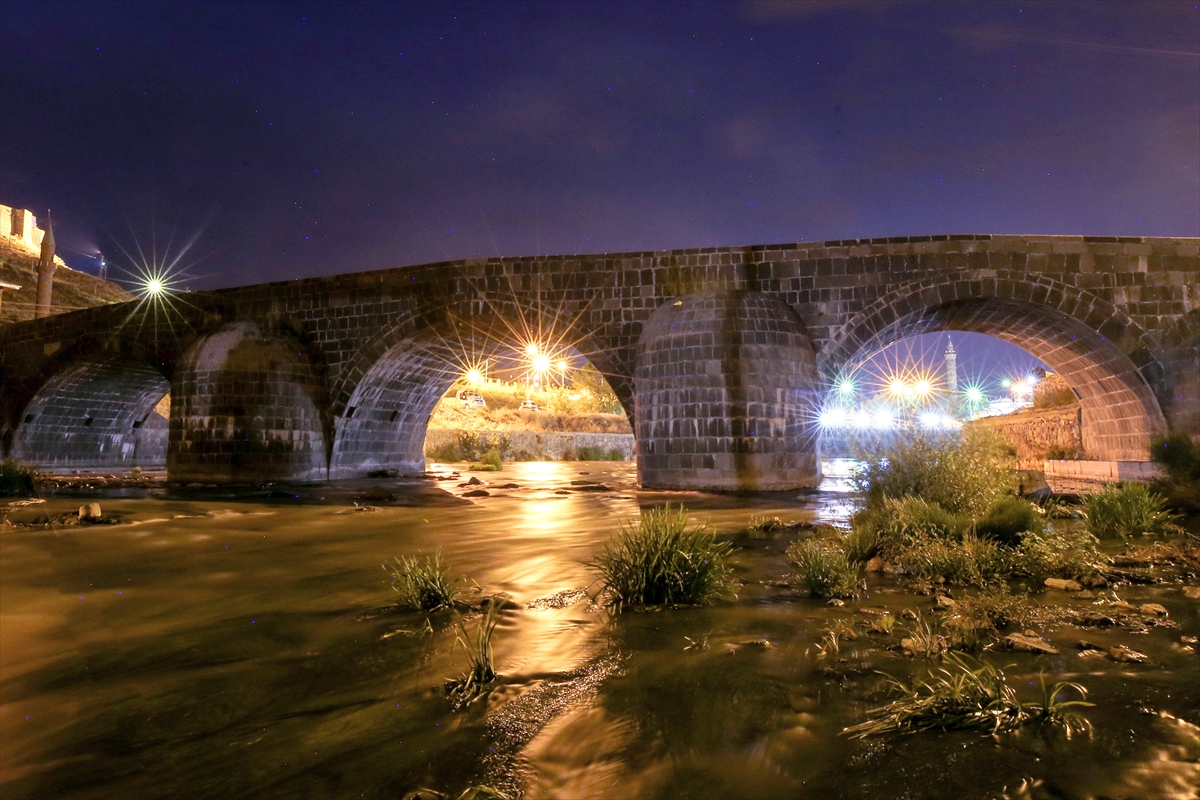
x=965, y=477
x=1009, y=519
x=1118, y=512
x=823, y=568
x=661, y=561
x=491, y=460
x=969, y=695
x=1059, y=554
x=970, y=561
x=16, y=480
x=422, y=587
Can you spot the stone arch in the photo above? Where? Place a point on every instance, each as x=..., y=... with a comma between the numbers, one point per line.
x=1120, y=412
x=725, y=394
x=100, y=412
x=250, y=405
x=387, y=393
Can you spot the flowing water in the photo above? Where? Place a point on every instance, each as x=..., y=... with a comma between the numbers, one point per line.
x=229, y=646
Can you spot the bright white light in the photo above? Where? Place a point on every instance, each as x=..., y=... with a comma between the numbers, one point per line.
x=531, y=349
x=474, y=377
x=832, y=418
x=923, y=388
x=974, y=394
x=155, y=286
x=933, y=421
x=541, y=363
x=845, y=387
x=897, y=387
x=562, y=365
x=882, y=419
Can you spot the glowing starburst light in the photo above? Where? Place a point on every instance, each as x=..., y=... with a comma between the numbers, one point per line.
x=541, y=363
x=474, y=377
x=897, y=387
x=832, y=418
x=974, y=395
x=923, y=388
x=845, y=387
x=531, y=349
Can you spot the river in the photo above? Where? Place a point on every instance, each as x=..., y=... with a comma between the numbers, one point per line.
x=236, y=645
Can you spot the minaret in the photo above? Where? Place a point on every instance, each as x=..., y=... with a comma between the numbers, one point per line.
x=45, y=270
x=951, y=359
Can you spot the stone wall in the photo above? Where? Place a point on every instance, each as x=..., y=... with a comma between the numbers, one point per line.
x=537, y=445
x=1037, y=434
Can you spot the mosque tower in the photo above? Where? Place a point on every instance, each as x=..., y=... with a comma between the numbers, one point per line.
x=45, y=271
x=951, y=360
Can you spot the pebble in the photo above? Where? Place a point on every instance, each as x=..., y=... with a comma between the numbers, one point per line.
x=836, y=602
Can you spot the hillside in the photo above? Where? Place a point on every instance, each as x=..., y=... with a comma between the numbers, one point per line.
x=72, y=290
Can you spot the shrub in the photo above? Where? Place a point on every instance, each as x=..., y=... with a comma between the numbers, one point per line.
x=1008, y=519
x=1058, y=554
x=1126, y=510
x=965, y=477
x=16, y=480
x=823, y=568
x=662, y=561
x=970, y=695
x=422, y=587
x=969, y=562
x=1179, y=457
x=491, y=459
x=895, y=524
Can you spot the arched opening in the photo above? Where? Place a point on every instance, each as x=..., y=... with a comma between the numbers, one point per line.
x=97, y=414
x=1119, y=414
x=385, y=423
x=250, y=407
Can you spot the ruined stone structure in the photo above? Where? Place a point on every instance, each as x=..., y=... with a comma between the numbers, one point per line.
x=720, y=355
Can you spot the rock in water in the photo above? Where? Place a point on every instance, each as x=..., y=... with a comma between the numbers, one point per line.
x=378, y=493
x=1153, y=610
x=1122, y=653
x=90, y=511
x=1063, y=585
x=477, y=493
x=1028, y=644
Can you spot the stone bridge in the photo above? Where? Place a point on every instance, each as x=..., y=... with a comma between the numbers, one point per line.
x=720, y=355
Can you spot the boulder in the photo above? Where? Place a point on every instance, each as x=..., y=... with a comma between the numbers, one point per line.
x=473, y=481
x=942, y=602
x=90, y=511
x=1063, y=585
x=876, y=564
x=29, y=515
x=1028, y=644
x=477, y=493
x=1153, y=610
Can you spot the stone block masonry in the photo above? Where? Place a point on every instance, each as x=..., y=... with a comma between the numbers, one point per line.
x=340, y=373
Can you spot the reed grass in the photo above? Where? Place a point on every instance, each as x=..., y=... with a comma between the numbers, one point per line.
x=16, y=479
x=823, y=568
x=1118, y=512
x=970, y=695
x=421, y=586
x=662, y=561
x=481, y=668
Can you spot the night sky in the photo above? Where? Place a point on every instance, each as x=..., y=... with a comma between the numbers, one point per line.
x=304, y=139
x=288, y=140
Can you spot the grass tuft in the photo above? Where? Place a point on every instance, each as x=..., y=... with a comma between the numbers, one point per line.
x=1009, y=519
x=1118, y=512
x=422, y=587
x=662, y=561
x=481, y=669
x=970, y=695
x=823, y=568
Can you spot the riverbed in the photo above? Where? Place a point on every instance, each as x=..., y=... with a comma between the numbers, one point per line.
x=244, y=644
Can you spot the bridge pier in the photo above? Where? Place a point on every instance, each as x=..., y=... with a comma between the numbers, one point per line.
x=725, y=392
